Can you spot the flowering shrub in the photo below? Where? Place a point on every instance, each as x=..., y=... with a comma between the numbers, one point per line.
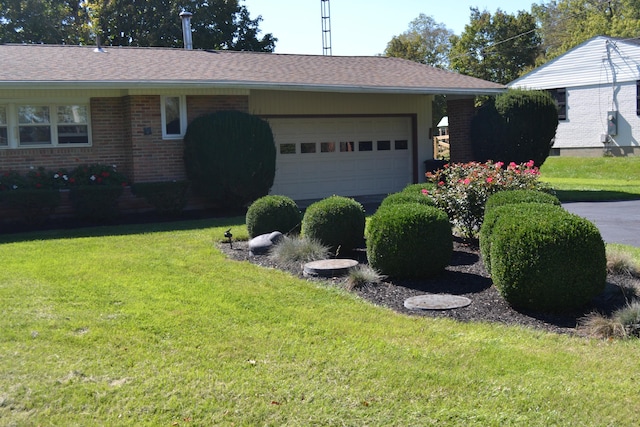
x=97, y=174
x=11, y=181
x=462, y=189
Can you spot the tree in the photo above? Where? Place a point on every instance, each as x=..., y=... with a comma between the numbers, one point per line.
x=43, y=21
x=426, y=42
x=565, y=24
x=216, y=24
x=496, y=48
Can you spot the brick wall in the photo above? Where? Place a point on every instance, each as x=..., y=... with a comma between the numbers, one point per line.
x=460, y=112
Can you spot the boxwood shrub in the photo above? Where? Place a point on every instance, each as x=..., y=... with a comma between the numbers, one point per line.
x=547, y=259
x=96, y=202
x=167, y=197
x=519, y=196
x=407, y=197
x=273, y=213
x=409, y=240
x=417, y=188
x=336, y=222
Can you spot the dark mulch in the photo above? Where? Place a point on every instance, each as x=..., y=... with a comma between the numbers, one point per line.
x=466, y=276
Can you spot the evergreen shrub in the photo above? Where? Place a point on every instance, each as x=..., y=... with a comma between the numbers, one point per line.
x=409, y=240
x=167, y=197
x=337, y=222
x=273, y=213
x=547, y=260
x=519, y=196
x=230, y=157
x=407, y=197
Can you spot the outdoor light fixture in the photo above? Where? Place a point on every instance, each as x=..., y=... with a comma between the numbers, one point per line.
x=228, y=235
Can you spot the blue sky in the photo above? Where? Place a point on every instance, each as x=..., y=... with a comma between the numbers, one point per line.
x=361, y=27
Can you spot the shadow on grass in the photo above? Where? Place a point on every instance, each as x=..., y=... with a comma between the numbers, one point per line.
x=125, y=225
x=594, y=195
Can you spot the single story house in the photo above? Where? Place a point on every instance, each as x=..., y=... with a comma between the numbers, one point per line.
x=342, y=125
x=597, y=87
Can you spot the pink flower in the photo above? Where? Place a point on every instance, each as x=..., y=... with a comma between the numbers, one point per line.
x=424, y=191
x=467, y=181
x=499, y=165
x=489, y=180
x=529, y=164
x=440, y=184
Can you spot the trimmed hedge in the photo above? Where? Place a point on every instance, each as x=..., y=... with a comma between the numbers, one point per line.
x=167, y=197
x=96, y=202
x=409, y=240
x=407, y=197
x=508, y=197
x=34, y=205
x=546, y=259
x=273, y=213
x=336, y=222
x=417, y=188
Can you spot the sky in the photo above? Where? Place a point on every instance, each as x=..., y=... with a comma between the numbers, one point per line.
x=361, y=27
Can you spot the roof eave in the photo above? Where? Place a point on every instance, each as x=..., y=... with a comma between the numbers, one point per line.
x=196, y=84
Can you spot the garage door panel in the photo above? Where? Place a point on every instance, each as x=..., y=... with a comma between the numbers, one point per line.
x=318, y=174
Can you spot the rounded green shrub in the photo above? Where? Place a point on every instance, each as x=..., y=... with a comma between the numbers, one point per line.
x=516, y=210
x=337, y=222
x=230, y=157
x=273, y=213
x=548, y=260
x=519, y=196
x=407, y=197
x=417, y=188
x=409, y=240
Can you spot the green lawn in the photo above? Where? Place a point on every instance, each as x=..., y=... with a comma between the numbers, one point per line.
x=148, y=326
x=587, y=179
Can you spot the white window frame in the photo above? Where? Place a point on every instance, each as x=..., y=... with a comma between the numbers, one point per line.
x=182, y=102
x=13, y=125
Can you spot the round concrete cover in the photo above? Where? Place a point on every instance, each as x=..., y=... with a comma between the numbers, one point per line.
x=436, y=302
x=329, y=267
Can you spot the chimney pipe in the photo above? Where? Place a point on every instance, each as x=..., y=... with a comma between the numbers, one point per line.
x=186, y=29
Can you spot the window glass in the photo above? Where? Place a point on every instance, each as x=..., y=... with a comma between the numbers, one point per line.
x=384, y=145
x=287, y=148
x=172, y=115
x=28, y=114
x=4, y=140
x=560, y=96
x=35, y=135
x=308, y=147
x=346, y=146
x=35, y=128
x=327, y=147
x=72, y=128
x=365, y=146
x=401, y=144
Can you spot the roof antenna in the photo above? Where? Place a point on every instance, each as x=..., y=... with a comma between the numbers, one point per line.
x=326, y=27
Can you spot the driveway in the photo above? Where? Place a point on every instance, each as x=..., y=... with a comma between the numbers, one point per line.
x=618, y=222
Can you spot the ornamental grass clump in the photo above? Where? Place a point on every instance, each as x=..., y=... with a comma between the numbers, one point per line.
x=409, y=240
x=547, y=259
x=462, y=189
x=293, y=252
x=337, y=222
x=273, y=213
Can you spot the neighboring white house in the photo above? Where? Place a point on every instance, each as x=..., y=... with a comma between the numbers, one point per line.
x=597, y=88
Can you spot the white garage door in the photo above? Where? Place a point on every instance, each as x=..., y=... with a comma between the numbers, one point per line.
x=319, y=157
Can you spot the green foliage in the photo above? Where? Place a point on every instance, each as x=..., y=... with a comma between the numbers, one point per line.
x=230, y=157
x=518, y=209
x=519, y=196
x=495, y=47
x=549, y=260
x=415, y=196
x=462, y=189
x=273, y=213
x=517, y=126
x=96, y=202
x=168, y=197
x=337, y=222
x=34, y=205
x=294, y=252
x=417, y=188
x=409, y=240
x=97, y=175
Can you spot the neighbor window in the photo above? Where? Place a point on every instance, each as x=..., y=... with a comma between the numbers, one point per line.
x=638, y=97
x=560, y=96
x=44, y=125
x=174, y=116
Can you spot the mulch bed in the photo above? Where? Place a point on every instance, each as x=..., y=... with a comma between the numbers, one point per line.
x=465, y=276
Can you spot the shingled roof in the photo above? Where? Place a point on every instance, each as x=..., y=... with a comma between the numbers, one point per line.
x=53, y=66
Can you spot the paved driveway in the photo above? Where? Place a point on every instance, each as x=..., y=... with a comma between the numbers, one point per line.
x=618, y=222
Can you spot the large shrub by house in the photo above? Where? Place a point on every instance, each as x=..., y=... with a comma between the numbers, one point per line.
x=336, y=222
x=230, y=157
x=517, y=126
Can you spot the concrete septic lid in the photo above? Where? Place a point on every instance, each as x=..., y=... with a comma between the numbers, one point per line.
x=436, y=302
x=329, y=267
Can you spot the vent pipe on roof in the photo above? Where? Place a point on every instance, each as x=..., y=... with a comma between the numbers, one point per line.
x=186, y=29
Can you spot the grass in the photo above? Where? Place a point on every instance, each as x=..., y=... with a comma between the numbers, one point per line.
x=593, y=179
x=141, y=326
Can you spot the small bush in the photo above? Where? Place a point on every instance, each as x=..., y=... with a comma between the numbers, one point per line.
x=409, y=240
x=519, y=196
x=337, y=222
x=273, y=213
x=407, y=197
x=549, y=260
x=292, y=252
x=168, y=197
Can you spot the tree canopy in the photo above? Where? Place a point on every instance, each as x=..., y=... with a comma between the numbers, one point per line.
x=496, y=47
x=216, y=24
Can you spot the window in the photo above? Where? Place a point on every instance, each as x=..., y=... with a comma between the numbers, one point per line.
x=43, y=125
x=346, y=146
x=287, y=148
x=174, y=117
x=637, y=98
x=365, y=146
x=4, y=128
x=384, y=145
x=308, y=147
x=560, y=96
x=327, y=147
x=401, y=144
